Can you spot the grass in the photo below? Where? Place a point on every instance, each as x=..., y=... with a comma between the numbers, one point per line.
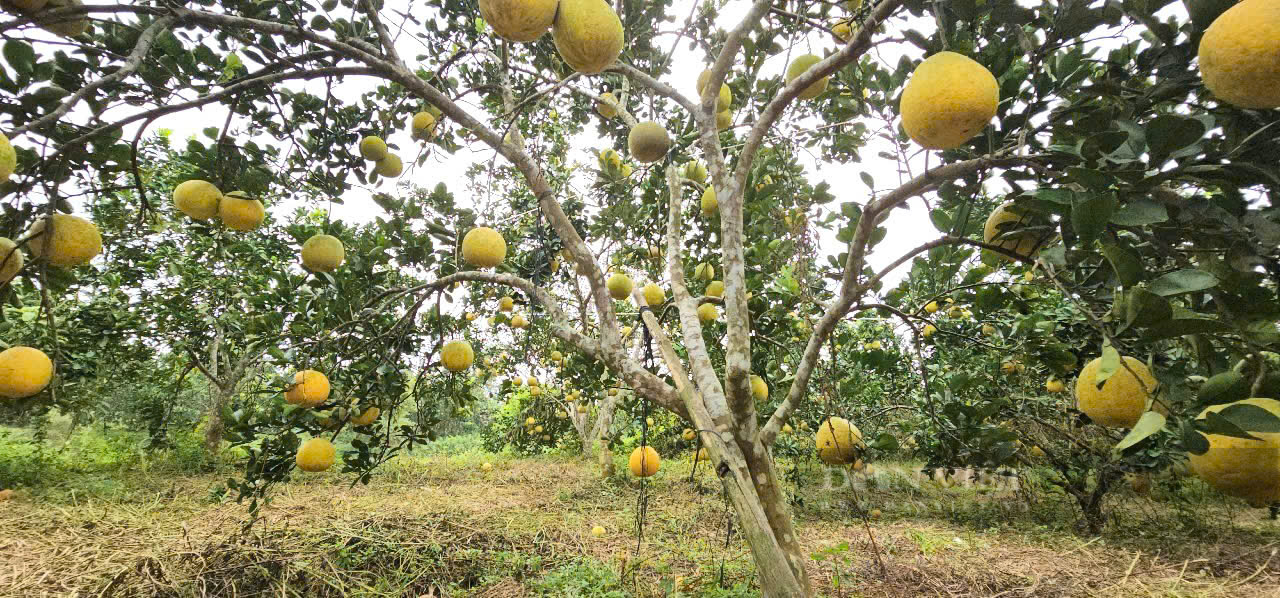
x=435, y=524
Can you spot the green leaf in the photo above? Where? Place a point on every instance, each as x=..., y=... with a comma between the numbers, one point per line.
x=1216, y=423
x=20, y=55
x=1169, y=133
x=1140, y=213
x=1183, y=281
x=1150, y=423
x=1110, y=363
x=1090, y=217
x=1251, y=418
x=1194, y=441
x=1185, y=326
x=1127, y=265
x=885, y=442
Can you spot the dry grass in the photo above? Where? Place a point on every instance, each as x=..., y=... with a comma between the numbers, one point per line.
x=441, y=527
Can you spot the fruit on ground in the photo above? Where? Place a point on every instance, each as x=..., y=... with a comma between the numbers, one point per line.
x=483, y=247
x=373, y=148
x=605, y=108
x=948, y=99
x=725, y=97
x=759, y=389
x=597, y=531
x=457, y=355
x=422, y=126
x=390, y=166
x=588, y=35
x=876, y=513
x=506, y=303
x=537, y=429
x=724, y=118
x=316, y=454
x=366, y=417
x=701, y=455
x=1121, y=400
x=69, y=28
x=8, y=158
x=787, y=429
x=644, y=462
x=519, y=322
x=69, y=241
x=519, y=20
x=323, y=253
x=797, y=67
x=838, y=441
x=486, y=466
x=310, y=388
x=529, y=421
x=1054, y=385
x=710, y=205
x=11, y=260
x=1249, y=469
x=715, y=289
x=648, y=142
x=620, y=285
x=708, y=312
x=24, y=371
x=197, y=199
x=1240, y=55
x=1023, y=244
x=653, y=295
x=241, y=213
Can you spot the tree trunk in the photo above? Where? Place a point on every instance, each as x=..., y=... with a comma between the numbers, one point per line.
x=215, y=425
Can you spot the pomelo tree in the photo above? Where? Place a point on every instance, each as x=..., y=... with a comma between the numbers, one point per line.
x=1124, y=171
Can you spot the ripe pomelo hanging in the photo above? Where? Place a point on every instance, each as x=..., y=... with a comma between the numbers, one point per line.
x=24, y=371
x=197, y=199
x=620, y=286
x=797, y=67
x=648, y=142
x=11, y=260
x=457, y=355
x=644, y=462
x=588, y=35
x=838, y=441
x=948, y=99
x=1240, y=55
x=310, y=388
x=316, y=454
x=241, y=213
x=69, y=241
x=654, y=295
x=483, y=247
x=519, y=20
x=1121, y=400
x=759, y=389
x=323, y=253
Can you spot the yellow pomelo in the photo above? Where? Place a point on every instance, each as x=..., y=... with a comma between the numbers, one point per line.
x=715, y=289
x=708, y=312
x=457, y=355
x=197, y=199
x=1023, y=244
x=701, y=455
x=241, y=213
x=24, y=371
x=724, y=118
x=648, y=142
x=1121, y=400
x=1240, y=55
x=606, y=109
x=597, y=531
x=948, y=99
x=557, y=357
x=373, y=148
x=310, y=388
x=422, y=126
x=688, y=434
x=483, y=247
x=696, y=172
x=367, y=417
x=1249, y=469
x=506, y=303
x=931, y=307
x=316, y=454
x=11, y=260
x=644, y=462
x=519, y=322
x=323, y=253
x=70, y=241
x=8, y=158
x=838, y=441
x=620, y=286
x=390, y=166
x=1054, y=385
x=726, y=95
x=759, y=389
x=519, y=20
x=69, y=28
x=710, y=205
x=797, y=67
x=928, y=330
x=588, y=35
x=842, y=31
x=653, y=295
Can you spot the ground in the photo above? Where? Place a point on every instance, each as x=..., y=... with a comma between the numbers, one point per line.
x=440, y=526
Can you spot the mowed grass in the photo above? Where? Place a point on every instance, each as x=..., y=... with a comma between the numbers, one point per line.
x=438, y=525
